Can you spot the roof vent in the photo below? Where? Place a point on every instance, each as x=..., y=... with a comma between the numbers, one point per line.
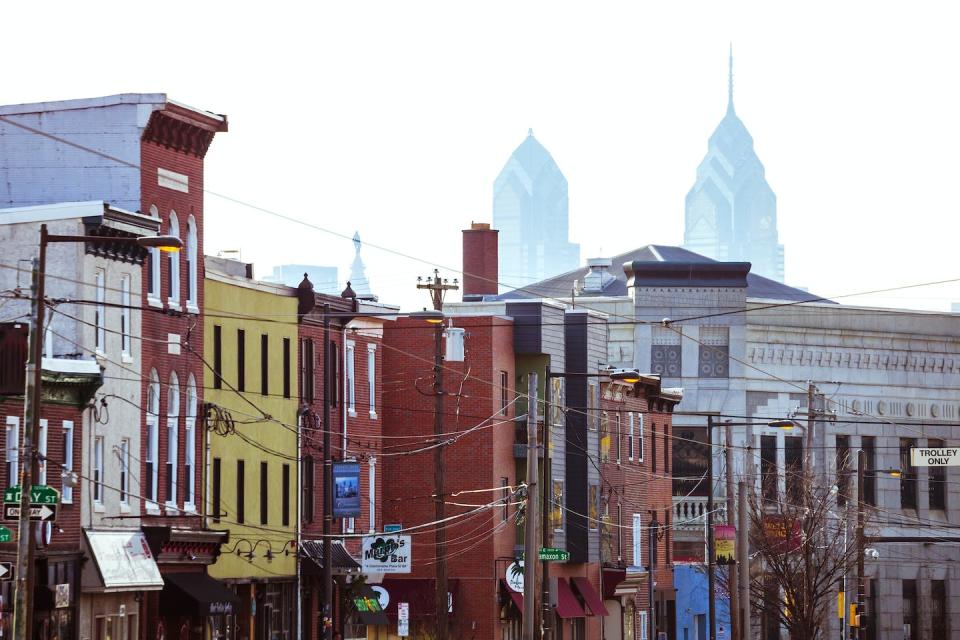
x=598, y=275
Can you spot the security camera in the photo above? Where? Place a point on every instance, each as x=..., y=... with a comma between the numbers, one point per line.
x=870, y=552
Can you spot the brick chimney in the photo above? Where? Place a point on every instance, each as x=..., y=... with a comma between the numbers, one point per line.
x=480, y=257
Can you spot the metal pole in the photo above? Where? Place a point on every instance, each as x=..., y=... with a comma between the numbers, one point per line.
x=651, y=563
x=327, y=632
x=743, y=560
x=711, y=578
x=811, y=419
x=23, y=601
x=861, y=579
x=438, y=471
x=732, y=581
x=530, y=526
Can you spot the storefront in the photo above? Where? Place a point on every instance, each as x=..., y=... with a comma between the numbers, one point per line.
x=345, y=569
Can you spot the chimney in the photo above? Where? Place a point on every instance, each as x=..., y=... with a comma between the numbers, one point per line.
x=480, y=257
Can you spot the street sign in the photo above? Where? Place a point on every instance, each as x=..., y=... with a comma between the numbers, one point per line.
x=39, y=494
x=551, y=554
x=7, y=571
x=392, y=528
x=941, y=457
x=38, y=513
x=5, y=534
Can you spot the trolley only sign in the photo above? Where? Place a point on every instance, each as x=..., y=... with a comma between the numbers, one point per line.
x=940, y=457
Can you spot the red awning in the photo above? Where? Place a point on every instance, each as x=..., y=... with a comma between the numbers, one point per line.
x=611, y=579
x=590, y=596
x=516, y=596
x=567, y=604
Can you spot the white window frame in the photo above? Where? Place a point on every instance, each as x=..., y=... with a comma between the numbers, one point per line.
x=100, y=311
x=642, y=630
x=173, y=420
x=350, y=373
x=189, y=454
x=640, y=437
x=97, y=472
x=372, y=378
x=153, y=440
x=619, y=436
x=192, y=269
x=630, y=439
x=153, y=285
x=126, y=314
x=372, y=493
x=173, y=229
x=12, y=450
x=67, y=491
x=637, y=539
x=42, y=450
x=124, y=454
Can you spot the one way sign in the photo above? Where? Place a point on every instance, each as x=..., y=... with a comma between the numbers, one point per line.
x=38, y=513
x=7, y=571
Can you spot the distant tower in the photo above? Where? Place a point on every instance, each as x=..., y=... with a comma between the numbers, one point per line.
x=731, y=211
x=358, y=275
x=530, y=209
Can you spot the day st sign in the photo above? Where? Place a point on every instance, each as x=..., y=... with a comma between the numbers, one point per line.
x=5, y=534
x=39, y=494
x=939, y=457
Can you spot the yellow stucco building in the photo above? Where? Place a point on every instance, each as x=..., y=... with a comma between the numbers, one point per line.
x=250, y=346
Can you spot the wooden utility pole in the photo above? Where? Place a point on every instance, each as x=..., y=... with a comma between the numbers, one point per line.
x=743, y=560
x=711, y=547
x=732, y=580
x=530, y=554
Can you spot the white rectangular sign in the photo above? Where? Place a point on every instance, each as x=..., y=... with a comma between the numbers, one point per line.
x=940, y=457
x=386, y=553
x=403, y=619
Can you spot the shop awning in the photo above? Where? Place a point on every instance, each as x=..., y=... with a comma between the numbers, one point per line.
x=312, y=554
x=611, y=580
x=590, y=596
x=122, y=561
x=567, y=604
x=516, y=596
x=367, y=608
x=197, y=592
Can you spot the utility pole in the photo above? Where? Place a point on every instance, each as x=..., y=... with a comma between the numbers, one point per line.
x=861, y=579
x=711, y=549
x=438, y=288
x=732, y=581
x=327, y=574
x=530, y=524
x=743, y=559
x=546, y=502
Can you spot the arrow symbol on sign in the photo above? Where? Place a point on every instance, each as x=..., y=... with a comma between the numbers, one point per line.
x=4, y=570
x=46, y=512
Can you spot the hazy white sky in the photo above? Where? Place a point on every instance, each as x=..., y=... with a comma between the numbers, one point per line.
x=394, y=118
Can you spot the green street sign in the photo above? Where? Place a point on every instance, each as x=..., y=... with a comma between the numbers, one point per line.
x=5, y=534
x=550, y=554
x=39, y=494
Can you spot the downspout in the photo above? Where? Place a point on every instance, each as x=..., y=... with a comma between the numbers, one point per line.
x=303, y=413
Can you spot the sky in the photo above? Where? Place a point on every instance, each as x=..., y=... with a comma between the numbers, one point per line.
x=394, y=118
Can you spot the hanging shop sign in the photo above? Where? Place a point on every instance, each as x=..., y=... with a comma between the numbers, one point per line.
x=514, y=576
x=386, y=554
x=346, y=489
x=724, y=543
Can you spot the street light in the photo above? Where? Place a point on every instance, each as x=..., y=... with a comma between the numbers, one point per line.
x=23, y=600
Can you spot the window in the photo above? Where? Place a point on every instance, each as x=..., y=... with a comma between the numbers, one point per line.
x=665, y=353
x=793, y=468
x=505, y=501
x=653, y=444
x=153, y=438
x=309, y=481
x=153, y=265
x=217, y=356
x=768, y=467
x=630, y=440
x=504, y=392
x=190, y=444
x=125, y=311
x=372, y=493
x=556, y=401
x=618, y=439
x=666, y=448
x=619, y=532
x=241, y=360
x=938, y=605
x=937, y=482
x=42, y=450
x=306, y=370
x=372, y=378
x=100, y=312
x=173, y=415
x=593, y=417
x=67, y=494
x=908, y=476
x=124, y=454
x=333, y=393
x=241, y=493
x=556, y=505
x=604, y=437
x=217, y=496
x=351, y=392
x=173, y=263
x=714, y=352
x=264, y=493
x=593, y=508
x=285, y=501
x=643, y=626
x=867, y=443
x=191, y=262
x=98, y=470
x=640, y=421
x=843, y=469
x=286, y=367
x=12, y=450
x=264, y=365
x=911, y=616
x=667, y=536
x=637, y=538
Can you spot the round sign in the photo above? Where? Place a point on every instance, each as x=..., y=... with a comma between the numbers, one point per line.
x=383, y=596
x=514, y=576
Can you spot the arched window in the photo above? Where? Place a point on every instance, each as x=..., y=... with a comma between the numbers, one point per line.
x=191, y=262
x=153, y=436
x=189, y=443
x=173, y=259
x=153, y=265
x=173, y=413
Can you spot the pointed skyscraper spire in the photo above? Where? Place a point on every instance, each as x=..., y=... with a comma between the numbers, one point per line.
x=358, y=276
x=730, y=83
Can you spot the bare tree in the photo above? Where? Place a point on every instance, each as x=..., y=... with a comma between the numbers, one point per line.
x=800, y=554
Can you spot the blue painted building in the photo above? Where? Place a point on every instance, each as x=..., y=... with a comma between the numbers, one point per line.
x=690, y=581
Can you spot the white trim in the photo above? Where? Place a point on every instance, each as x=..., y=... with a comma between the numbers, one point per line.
x=96, y=471
x=66, y=494
x=126, y=317
x=42, y=450
x=637, y=535
x=372, y=379
x=12, y=454
x=640, y=432
x=350, y=371
x=372, y=493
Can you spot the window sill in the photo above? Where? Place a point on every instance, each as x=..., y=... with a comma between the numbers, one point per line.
x=171, y=508
x=373, y=415
x=189, y=508
x=352, y=413
x=124, y=507
x=152, y=509
x=173, y=305
x=126, y=358
x=193, y=308
x=154, y=302
x=98, y=507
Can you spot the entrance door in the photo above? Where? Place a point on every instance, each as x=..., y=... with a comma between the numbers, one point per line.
x=700, y=626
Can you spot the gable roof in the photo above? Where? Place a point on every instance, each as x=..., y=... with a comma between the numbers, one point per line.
x=560, y=286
